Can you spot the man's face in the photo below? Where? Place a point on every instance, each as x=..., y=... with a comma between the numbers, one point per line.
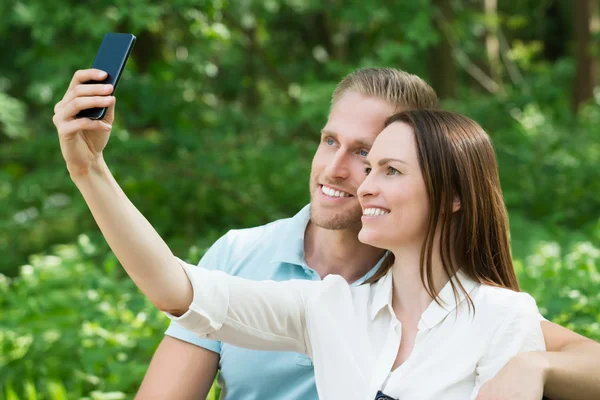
x=338, y=165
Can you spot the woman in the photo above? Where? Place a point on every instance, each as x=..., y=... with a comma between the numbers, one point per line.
x=437, y=320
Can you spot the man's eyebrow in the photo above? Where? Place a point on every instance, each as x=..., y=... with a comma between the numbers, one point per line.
x=359, y=142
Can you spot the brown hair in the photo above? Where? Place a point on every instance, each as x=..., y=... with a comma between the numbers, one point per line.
x=402, y=90
x=457, y=158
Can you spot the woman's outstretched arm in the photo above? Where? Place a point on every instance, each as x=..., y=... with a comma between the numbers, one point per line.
x=144, y=255
x=141, y=251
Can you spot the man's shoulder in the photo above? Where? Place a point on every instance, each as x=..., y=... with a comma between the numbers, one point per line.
x=249, y=238
x=249, y=252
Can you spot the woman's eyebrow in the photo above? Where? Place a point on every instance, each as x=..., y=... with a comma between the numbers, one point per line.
x=388, y=160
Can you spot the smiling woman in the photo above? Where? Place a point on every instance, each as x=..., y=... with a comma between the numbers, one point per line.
x=438, y=170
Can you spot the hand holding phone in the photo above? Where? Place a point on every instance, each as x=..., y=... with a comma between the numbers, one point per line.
x=84, y=115
x=111, y=58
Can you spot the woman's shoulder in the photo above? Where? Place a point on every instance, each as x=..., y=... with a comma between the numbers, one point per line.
x=506, y=318
x=493, y=300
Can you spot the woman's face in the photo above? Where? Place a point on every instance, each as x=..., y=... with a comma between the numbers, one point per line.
x=393, y=196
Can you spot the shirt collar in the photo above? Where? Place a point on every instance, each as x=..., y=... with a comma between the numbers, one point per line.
x=435, y=312
x=383, y=294
x=291, y=245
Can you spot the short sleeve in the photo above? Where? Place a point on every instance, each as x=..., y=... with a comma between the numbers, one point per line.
x=216, y=258
x=541, y=318
x=259, y=315
x=520, y=332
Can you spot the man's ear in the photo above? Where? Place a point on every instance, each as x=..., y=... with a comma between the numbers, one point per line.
x=456, y=203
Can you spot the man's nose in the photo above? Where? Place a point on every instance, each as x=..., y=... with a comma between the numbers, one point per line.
x=338, y=167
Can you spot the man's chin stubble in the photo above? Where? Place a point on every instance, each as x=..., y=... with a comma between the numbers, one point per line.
x=336, y=222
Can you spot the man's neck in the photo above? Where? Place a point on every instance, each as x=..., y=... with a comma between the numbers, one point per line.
x=339, y=252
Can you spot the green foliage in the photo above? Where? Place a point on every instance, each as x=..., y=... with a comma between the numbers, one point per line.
x=72, y=325
x=565, y=284
x=75, y=329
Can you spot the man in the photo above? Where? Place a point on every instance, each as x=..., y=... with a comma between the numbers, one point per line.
x=320, y=240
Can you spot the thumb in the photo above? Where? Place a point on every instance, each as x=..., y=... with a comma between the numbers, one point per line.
x=109, y=117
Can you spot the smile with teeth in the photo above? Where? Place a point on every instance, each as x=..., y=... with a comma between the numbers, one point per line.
x=374, y=212
x=330, y=192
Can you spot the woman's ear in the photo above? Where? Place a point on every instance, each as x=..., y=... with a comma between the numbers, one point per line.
x=456, y=203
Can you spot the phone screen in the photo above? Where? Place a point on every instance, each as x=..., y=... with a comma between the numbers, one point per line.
x=111, y=57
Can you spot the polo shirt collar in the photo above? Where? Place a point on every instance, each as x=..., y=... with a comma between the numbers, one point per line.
x=435, y=312
x=372, y=271
x=291, y=244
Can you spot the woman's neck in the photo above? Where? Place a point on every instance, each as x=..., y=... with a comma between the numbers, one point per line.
x=410, y=298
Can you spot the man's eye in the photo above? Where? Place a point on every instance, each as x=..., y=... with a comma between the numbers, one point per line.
x=367, y=170
x=330, y=141
x=393, y=171
x=364, y=153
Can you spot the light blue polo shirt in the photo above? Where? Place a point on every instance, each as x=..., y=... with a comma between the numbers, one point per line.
x=270, y=252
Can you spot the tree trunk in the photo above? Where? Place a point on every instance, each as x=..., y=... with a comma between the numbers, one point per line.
x=443, y=68
x=586, y=25
x=555, y=28
x=492, y=44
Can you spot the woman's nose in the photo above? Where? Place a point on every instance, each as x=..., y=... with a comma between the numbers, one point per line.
x=367, y=188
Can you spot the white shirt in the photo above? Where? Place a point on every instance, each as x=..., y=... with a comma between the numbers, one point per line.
x=352, y=334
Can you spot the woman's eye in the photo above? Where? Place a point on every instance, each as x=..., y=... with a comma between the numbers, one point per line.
x=367, y=170
x=330, y=141
x=364, y=153
x=393, y=171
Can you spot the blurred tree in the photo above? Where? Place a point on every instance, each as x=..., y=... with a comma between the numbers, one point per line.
x=443, y=68
x=555, y=27
x=492, y=44
x=587, y=29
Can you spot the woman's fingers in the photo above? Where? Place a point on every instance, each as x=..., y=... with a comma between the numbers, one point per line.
x=73, y=107
x=109, y=117
x=88, y=90
x=86, y=75
x=69, y=128
x=78, y=87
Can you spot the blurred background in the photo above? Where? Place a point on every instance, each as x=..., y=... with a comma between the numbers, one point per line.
x=218, y=115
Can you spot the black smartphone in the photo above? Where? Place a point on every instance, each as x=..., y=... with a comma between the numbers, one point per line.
x=111, y=58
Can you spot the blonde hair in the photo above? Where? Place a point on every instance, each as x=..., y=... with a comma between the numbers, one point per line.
x=400, y=89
